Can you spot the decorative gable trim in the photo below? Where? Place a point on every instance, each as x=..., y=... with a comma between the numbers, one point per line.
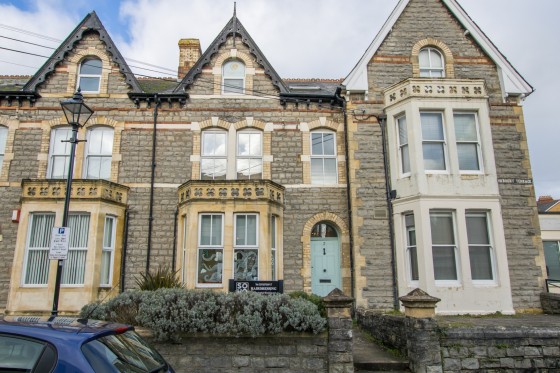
x=90, y=23
x=512, y=82
x=233, y=27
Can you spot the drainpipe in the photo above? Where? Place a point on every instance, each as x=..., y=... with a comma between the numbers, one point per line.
x=175, y=239
x=151, y=216
x=382, y=120
x=342, y=101
x=124, y=248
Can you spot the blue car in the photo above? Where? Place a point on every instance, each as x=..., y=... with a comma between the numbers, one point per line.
x=65, y=344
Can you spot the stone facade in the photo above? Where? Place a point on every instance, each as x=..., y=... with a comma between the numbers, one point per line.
x=349, y=197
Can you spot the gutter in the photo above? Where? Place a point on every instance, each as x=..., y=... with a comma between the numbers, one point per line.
x=152, y=182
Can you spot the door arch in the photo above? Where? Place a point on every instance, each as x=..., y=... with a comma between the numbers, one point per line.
x=325, y=259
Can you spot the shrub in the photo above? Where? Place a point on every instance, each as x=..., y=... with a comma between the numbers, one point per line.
x=313, y=298
x=168, y=311
x=163, y=277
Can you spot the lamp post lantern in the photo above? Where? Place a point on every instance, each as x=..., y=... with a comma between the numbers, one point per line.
x=77, y=114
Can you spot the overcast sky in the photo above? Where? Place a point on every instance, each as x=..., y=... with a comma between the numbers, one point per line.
x=301, y=39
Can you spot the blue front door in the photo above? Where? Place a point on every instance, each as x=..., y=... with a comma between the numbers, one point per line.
x=325, y=265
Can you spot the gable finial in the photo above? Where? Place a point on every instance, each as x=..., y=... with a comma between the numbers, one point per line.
x=234, y=21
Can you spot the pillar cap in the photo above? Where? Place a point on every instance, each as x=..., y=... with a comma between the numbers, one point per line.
x=337, y=299
x=418, y=298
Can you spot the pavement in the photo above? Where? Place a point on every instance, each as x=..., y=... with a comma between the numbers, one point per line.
x=370, y=357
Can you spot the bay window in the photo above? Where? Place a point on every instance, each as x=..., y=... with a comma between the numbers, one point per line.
x=411, y=250
x=108, y=251
x=468, y=145
x=480, y=249
x=210, y=249
x=444, y=248
x=403, y=145
x=433, y=141
x=74, y=269
x=36, y=270
x=246, y=251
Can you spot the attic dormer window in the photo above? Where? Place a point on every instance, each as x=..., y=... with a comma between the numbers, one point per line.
x=89, y=78
x=431, y=63
x=233, y=77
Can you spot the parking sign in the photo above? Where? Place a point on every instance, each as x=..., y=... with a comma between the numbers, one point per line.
x=60, y=239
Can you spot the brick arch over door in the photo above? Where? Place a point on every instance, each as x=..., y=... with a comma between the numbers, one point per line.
x=344, y=239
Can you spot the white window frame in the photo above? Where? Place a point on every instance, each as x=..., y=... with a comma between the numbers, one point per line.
x=456, y=253
x=98, y=76
x=429, y=71
x=3, y=142
x=110, y=250
x=323, y=157
x=78, y=251
x=490, y=246
x=407, y=229
x=477, y=143
x=251, y=157
x=403, y=147
x=225, y=86
x=59, y=149
x=245, y=247
x=43, y=250
x=89, y=155
x=202, y=247
x=443, y=143
x=184, y=275
x=214, y=157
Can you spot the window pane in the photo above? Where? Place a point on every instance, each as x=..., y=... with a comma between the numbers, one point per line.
x=240, y=230
x=59, y=167
x=89, y=84
x=94, y=165
x=94, y=141
x=251, y=230
x=249, y=168
x=481, y=263
x=444, y=263
x=79, y=229
x=468, y=157
x=255, y=148
x=91, y=66
x=432, y=126
x=60, y=143
x=477, y=229
x=3, y=139
x=403, y=133
x=435, y=59
x=434, y=158
x=213, y=143
x=105, y=267
x=233, y=86
x=465, y=127
x=205, y=229
x=41, y=229
x=108, y=232
x=246, y=265
x=413, y=257
x=317, y=171
x=73, y=272
x=213, y=169
x=19, y=354
x=328, y=144
x=216, y=230
x=424, y=58
x=273, y=232
x=552, y=259
x=405, y=159
x=37, y=267
x=442, y=229
x=317, y=144
x=105, y=169
x=210, y=265
x=330, y=171
x=234, y=69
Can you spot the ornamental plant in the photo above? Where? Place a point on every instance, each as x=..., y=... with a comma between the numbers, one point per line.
x=170, y=311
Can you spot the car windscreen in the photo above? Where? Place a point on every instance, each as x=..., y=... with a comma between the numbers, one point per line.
x=123, y=353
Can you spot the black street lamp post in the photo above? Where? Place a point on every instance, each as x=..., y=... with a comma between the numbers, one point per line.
x=77, y=114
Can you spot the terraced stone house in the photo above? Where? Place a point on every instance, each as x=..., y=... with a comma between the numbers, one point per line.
x=411, y=172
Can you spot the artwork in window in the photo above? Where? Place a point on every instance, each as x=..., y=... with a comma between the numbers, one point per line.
x=38, y=243
x=99, y=151
x=107, y=253
x=443, y=246
x=89, y=77
x=323, y=158
x=411, y=247
x=213, y=162
x=249, y=155
x=73, y=272
x=273, y=246
x=246, y=264
x=467, y=141
x=3, y=139
x=480, y=250
x=59, y=153
x=433, y=141
x=233, y=73
x=431, y=63
x=552, y=259
x=210, y=266
x=403, y=145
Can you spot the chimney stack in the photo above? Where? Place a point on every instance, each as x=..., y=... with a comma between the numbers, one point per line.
x=544, y=199
x=189, y=53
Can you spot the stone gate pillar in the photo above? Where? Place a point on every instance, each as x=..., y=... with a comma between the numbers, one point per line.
x=340, y=332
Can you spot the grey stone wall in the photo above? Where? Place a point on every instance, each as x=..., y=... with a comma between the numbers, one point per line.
x=389, y=330
x=27, y=143
x=550, y=303
x=287, y=167
x=10, y=201
x=288, y=353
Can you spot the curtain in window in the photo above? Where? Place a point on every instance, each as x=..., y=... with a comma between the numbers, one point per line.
x=37, y=266
x=73, y=272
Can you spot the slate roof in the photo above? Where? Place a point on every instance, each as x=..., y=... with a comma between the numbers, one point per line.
x=313, y=86
x=546, y=206
x=155, y=85
x=90, y=22
x=13, y=83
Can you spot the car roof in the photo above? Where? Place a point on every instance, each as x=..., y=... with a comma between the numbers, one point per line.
x=59, y=328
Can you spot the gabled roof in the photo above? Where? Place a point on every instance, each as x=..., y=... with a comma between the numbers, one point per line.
x=512, y=82
x=547, y=206
x=90, y=22
x=234, y=26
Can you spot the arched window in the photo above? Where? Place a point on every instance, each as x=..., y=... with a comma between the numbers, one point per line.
x=99, y=151
x=233, y=77
x=89, y=77
x=431, y=63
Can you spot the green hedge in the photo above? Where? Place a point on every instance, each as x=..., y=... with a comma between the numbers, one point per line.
x=169, y=311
